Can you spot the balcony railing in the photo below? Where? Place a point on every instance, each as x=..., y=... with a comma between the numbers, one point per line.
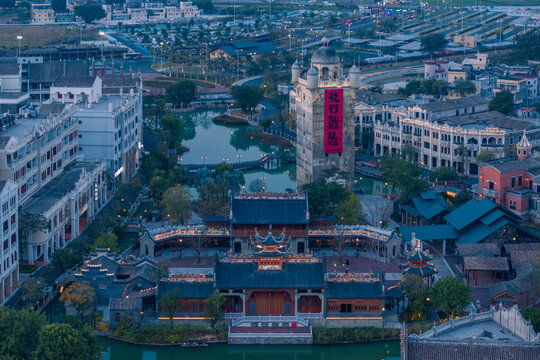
x=490, y=192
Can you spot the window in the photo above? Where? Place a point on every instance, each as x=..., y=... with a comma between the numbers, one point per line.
x=513, y=181
x=520, y=180
x=491, y=185
x=6, y=225
x=13, y=219
x=117, y=317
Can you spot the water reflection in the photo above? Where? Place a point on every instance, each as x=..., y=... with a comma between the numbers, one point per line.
x=379, y=350
x=210, y=143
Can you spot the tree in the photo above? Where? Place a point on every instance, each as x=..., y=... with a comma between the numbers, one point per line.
x=325, y=197
x=171, y=129
x=378, y=209
x=433, y=42
x=444, y=173
x=404, y=177
x=450, y=295
x=409, y=152
x=89, y=12
x=527, y=46
x=533, y=315
x=349, y=210
x=157, y=186
x=63, y=342
x=339, y=244
x=214, y=308
x=169, y=303
x=247, y=97
x=81, y=297
x=19, y=329
x=416, y=291
x=465, y=87
x=502, y=102
x=58, y=5
x=32, y=290
x=106, y=241
x=485, y=156
x=213, y=199
x=257, y=186
x=176, y=204
x=182, y=93
x=29, y=223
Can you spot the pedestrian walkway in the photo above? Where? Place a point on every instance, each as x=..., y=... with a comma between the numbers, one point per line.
x=444, y=269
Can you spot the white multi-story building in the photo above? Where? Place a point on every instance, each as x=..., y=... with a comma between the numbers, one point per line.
x=442, y=134
x=34, y=150
x=110, y=126
x=42, y=14
x=9, y=252
x=77, y=89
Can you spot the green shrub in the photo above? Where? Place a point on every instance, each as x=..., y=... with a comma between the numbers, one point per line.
x=325, y=335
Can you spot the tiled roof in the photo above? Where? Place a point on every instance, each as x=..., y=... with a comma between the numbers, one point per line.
x=9, y=69
x=518, y=257
x=469, y=350
x=125, y=304
x=485, y=263
x=522, y=247
x=427, y=270
x=429, y=232
x=472, y=249
x=105, y=263
x=480, y=231
x=454, y=104
x=269, y=211
x=75, y=81
x=429, y=207
x=512, y=164
x=246, y=276
x=354, y=290
x=52, y=108
x=469, y=212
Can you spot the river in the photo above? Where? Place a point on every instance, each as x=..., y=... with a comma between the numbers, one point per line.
x=116, y=350
x=211, y=143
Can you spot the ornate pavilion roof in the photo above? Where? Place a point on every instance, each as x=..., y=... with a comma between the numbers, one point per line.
x=269, y=245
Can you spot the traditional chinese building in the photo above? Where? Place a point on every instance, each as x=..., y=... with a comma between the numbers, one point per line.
x=419, y=262
x=324, y=102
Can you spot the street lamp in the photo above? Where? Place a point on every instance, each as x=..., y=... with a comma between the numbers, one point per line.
x=204, y=159
x=19, y=37
x=238, y=156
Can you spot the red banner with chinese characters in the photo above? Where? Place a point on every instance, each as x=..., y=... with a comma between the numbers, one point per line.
x=333, y=121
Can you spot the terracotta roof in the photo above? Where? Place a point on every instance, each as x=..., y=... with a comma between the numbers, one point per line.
x=485, y=263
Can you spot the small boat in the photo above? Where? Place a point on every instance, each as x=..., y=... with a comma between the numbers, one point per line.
x=193, y=344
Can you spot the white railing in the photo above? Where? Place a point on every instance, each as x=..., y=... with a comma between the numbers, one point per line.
x=270, y=318
x=271, y=335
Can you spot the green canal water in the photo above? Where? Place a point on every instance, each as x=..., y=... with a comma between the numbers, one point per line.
x=211, y=143
x=116, y=350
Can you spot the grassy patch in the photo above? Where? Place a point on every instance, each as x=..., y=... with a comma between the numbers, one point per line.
x=325, y=335
x=27, y=268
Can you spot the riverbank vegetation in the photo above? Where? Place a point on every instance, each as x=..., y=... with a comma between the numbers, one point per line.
x=325, y=336
x=28, y=336
x=164, y=334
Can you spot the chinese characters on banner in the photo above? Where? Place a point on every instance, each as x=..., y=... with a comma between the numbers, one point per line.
x=333, y=121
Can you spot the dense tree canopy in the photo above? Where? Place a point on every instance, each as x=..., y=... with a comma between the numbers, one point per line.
x=403, y=176
x=503, y=102
x=214, y=308
x=450, y=295
x=324, y=198
x=80, y=297
x=433, y=42
x=465, y=87
x=181, y=94
x=528, y=46
x=247, y=97
x=176, y=204
x=19, y=329
x=444, y=173
x=64, y=342
x=89, y=12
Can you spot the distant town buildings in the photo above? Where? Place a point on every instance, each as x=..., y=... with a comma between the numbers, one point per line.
x=130, y=11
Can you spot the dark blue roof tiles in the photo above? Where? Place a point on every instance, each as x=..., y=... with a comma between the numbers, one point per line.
x=246, y=276
x=354, y=290
x=469, y=212
x=269, y=211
